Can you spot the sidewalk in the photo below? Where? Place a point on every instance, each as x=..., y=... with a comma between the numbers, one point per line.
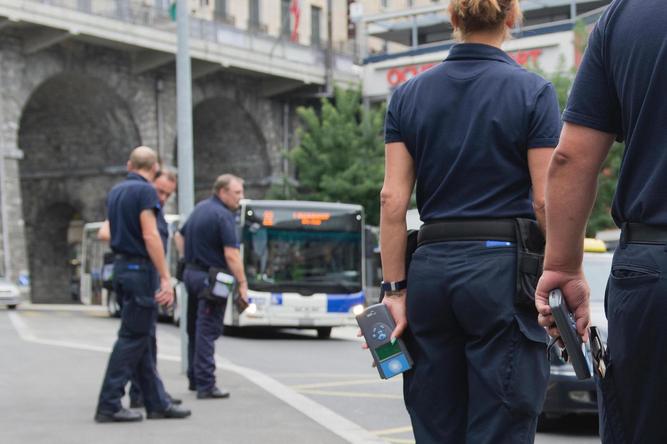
x=49, y=395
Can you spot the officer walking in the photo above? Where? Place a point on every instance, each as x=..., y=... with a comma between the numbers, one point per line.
x=619, y=93
x=476, y=133
x=139, y=263
x=165, y=184
x=209, y=241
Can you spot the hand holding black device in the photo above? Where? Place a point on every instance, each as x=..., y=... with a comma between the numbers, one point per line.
x=568, y=333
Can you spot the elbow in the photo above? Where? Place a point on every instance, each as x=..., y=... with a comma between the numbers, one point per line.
x=560, y=159
x=392, y=205
x=539, y=205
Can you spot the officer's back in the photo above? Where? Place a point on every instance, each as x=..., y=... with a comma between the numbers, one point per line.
x=204, y=237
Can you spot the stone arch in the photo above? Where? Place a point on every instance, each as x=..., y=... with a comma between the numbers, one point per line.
x=76, y=133
x=227, y=139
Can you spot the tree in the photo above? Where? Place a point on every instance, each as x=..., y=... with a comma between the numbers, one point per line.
x=340, y=157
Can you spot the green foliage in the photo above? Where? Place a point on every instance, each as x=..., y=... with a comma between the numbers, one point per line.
x=340, y=157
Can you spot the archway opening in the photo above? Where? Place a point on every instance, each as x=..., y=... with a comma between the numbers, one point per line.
x=76, y=134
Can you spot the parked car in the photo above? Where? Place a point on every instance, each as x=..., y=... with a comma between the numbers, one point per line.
x=565, y=393
x=10, y=295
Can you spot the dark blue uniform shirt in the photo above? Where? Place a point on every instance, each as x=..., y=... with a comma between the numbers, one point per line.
x=210, y=228
x=468, y=124
x=125, y=203
x=621, y=88
x=163, y=229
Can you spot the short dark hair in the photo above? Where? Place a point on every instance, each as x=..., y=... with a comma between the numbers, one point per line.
x=223, y=181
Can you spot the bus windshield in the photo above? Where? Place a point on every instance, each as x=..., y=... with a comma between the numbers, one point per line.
x=303, y=252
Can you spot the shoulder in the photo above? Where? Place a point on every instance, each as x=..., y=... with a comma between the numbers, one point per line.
x=529, y=81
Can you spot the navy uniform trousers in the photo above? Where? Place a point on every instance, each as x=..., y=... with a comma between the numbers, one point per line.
x=134, y=283
x=633, y=397
x=204, y=327
x=481, y=366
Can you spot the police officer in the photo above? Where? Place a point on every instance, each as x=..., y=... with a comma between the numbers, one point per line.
x=165, y=184
x=619, y=93
x=210, y=241
x=476, y=134
x=132, y=206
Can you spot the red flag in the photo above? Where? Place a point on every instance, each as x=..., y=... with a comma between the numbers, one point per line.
x=295, y=10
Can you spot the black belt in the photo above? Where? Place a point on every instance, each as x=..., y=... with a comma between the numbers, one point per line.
x=636, y=233
x=467, y=230
x=196, y=267
x=131, y=258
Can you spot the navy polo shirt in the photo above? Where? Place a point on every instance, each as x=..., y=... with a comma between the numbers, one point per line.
x=125, y=203
x=163, y=229
x=468, y=123
x=210, y=228
x=621, y=88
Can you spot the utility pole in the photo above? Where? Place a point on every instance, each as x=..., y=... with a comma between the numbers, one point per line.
x=573, y=10
x=186, y=195
x=330, y=61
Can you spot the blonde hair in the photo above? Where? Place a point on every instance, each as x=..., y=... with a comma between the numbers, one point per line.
x=483, y=15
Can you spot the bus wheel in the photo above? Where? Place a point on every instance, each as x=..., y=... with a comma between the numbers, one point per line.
x=324, y=332
x=112, y=305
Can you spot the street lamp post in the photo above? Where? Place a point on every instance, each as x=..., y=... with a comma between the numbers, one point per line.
x=573, y=10
x=185, y=161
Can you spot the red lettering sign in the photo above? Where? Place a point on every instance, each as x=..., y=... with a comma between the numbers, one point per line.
x=527, y=56
x=399, y=75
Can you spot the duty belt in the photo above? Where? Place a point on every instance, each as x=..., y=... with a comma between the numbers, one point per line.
x=196, y=267
x=131, y=258
x=636, y=233
x=467, y=230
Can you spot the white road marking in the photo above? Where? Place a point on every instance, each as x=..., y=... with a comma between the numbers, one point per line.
x=351, y=394
x=327, y=418
x=340, y=383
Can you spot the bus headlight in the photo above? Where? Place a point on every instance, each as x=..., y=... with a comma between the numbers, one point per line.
x=252, y=308
x=357, y=310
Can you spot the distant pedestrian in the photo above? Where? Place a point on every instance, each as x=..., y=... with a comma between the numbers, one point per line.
x=209, y=242
x=132, y=207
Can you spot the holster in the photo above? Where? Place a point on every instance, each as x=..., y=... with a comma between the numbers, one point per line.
x=529, y=262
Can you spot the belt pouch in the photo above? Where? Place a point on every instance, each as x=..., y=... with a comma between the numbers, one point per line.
x=220, y=286
x=530, y=262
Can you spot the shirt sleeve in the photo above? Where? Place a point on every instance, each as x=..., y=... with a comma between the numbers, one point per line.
x=544, y=129
x=148, y=199
x=392, y=130
x=228, y=232
x=593, y=102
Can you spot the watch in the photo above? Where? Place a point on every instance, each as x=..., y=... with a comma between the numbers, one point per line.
x=394, y=286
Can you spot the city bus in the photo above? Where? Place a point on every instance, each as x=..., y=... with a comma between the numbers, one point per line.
x=95, y=273
x=304, y=262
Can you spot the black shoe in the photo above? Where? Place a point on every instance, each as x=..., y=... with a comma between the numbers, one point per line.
x=137, y=403
x=173, y=412
x=192, y=387
x=173, y=400
x=122, y=415
x=214, y=393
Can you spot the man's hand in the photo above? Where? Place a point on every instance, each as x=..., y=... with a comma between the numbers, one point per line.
x=576, y=293
x=165, y=295
x=243, y=290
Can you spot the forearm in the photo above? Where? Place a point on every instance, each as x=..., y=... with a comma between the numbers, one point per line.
x=540, y=216
x=179, y=241
x=235, y=266
x=571, y=191
x=156, y=253
x=393, y=240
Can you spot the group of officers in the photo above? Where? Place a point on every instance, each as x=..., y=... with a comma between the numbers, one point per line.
x=138, y=234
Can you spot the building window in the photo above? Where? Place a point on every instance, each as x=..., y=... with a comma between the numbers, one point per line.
x=285, y=18
x=253, y=14
x=384, y=4
x=315, y=20
x=220, y=9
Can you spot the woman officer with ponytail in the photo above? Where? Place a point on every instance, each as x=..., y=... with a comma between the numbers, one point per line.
x=476, y=134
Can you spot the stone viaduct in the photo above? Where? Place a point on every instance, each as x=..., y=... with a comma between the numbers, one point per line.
x=84, y=81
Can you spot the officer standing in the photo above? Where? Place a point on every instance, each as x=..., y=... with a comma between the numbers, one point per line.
x=210, y=241
x=139, y=263
x=476, y=133
x=165, y=184
x=619, y=93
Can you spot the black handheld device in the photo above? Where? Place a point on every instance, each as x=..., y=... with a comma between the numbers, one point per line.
x=568, y=333
x=376, y=325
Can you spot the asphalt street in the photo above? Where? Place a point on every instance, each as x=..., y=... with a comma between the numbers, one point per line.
x=287, y=387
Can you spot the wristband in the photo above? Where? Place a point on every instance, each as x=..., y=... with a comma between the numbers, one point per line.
x=394, y=286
